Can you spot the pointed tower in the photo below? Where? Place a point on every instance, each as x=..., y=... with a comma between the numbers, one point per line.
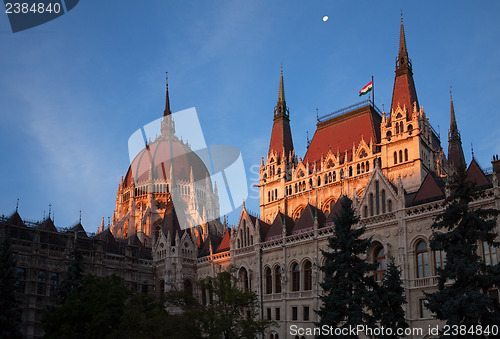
x=167, y=125
x=456, y=157
x=404, y=93
x=281, y=136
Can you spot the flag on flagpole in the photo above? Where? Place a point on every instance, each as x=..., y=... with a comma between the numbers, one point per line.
x=366, y=89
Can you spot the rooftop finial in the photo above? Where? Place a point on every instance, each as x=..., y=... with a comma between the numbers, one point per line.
x=166, y=75
x=281, y=67
x=401, y=15
x=80, y=219
x=472, y=150
x=17, y=204
x=167, y=99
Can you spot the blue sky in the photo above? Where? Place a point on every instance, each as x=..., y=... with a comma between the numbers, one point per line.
x=73, y=90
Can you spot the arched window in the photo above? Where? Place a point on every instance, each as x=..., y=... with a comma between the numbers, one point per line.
x=400, y=156
x=295, y=277
x=388, y=135
x=395, y=158
x=406, y=154
x=188, y=288
x=439, y=259
x=489, y=254
x=277, y=280
x=341, y=174
x=358, y=169
x=383, y=201
x=410, y=129
x=365, y=211
x=379, y=259
x=397, y=128
x=350, y=171
x=401, y=127
x=377, y=197
x=422, y=260
x=268, y=196
x=307, y=276
x=334, y=175
x=244, y=279
x=269, y=281
x=367, y=166
x=371, y=204
x=389, y=205
x=362, y=167
x=239, y=243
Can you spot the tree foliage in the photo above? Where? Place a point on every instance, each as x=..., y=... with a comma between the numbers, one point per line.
x=73, y=279
x=350, y=295
x=462, y=297
x=391, y=299
x=232, y=313
x=10, y=317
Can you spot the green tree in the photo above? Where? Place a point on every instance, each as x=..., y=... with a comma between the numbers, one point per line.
x=93, y=311
x=232, y=313
x=73, y=278
x=391, y=299
x=462, y=297
x=10, y=317
x=350, y=295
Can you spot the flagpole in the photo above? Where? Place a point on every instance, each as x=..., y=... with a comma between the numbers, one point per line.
x=373, y=92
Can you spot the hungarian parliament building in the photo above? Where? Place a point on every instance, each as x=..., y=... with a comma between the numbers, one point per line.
x=391, y=164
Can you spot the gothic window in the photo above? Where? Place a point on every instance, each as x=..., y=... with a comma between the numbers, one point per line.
x=489, y=254
x=406, y=154
x=54, y=281
x=389, y=135
x=383, y=201
x=389, y=205
x=307, y=276
x=326, y=178
x=244, y=279
x=422, y=260
x=188, y=288
x=410, y=129
x=277, y=279
x=20, y=280
x=401, y=126
x=395, y=158
x=350, y=171
x=400, y=156
x=358, y=169
x=397, y=128
x=439, y=259
x=365, y=211
x=362, y=167
x=269, y=281
x=268, y=196
x=330, y=164
x=371, y=204
x=367, y=166
x=380, y=260
x=296, y=186
x=377, y=197
x=341, y=174
x=319, y=180
x=239, y=243
x=334, y=176
x=295, y=277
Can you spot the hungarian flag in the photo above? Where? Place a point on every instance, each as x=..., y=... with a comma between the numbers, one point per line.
x=366, y=89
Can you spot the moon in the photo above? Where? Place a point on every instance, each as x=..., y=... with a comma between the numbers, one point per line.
x=325, y=18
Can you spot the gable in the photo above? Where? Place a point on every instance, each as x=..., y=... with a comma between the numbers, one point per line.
x=378, y=187
x=432, y=189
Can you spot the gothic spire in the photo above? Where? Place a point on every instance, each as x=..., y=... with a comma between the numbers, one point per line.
x=167, y=102
x=456, y=157
x=453, y=134
x=404, y=93
x=281, y=135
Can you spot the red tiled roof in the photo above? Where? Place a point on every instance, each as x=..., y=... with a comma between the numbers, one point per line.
x=225, y=244
x=476, y=175
x=340, y=133
x=306, y=220
x=281, y=137
x=404, y=92
x=431, y=189
x=276, y=230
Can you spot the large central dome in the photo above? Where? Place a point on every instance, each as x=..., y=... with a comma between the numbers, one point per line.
x=170, y=159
